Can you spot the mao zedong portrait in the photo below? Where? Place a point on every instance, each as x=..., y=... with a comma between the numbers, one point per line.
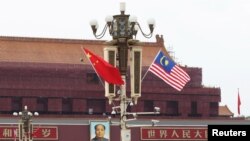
x=99, y=133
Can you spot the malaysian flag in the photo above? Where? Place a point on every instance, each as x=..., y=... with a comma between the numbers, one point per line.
x=169, y=72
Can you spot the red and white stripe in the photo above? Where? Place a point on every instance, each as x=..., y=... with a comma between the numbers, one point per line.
x=177, y=78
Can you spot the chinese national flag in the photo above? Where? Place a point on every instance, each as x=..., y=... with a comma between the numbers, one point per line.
x=105, y=70
x=239, y=103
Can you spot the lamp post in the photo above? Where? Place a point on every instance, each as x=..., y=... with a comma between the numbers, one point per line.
x=25, y=126
x=123, y=29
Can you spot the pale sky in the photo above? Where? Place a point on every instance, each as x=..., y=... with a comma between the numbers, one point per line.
x=211, y=34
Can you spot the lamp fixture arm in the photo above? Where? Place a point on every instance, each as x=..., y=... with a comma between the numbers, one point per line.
x=102, y=33
x=144, y=34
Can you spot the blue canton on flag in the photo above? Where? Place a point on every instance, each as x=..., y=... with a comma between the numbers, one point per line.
x=169, y=72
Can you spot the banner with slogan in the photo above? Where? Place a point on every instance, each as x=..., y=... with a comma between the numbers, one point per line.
x=174, y=133
x=39, y=133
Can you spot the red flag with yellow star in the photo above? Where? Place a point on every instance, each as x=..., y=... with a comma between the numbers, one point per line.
x=105, y=70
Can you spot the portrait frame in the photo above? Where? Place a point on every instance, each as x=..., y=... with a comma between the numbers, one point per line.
x=93, y=123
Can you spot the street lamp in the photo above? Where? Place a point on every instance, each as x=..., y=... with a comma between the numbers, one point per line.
x=123, y=29
x=25, y=126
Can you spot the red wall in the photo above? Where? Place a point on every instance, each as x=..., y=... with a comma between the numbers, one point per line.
x=30, y=81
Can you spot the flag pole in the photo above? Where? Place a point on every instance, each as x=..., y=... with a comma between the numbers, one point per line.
x=93, y=68
x=150, y=66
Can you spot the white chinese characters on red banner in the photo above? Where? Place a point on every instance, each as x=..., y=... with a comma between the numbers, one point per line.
x=174, y=133
x=41, y=132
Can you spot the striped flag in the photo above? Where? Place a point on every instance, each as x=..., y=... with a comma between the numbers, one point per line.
x=169, y=72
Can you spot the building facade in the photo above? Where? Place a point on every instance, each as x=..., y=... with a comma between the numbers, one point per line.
x=48, y=76
x=53, y=77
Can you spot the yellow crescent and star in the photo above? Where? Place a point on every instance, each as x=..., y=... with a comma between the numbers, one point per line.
x=89, y=56
x=164, y=62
